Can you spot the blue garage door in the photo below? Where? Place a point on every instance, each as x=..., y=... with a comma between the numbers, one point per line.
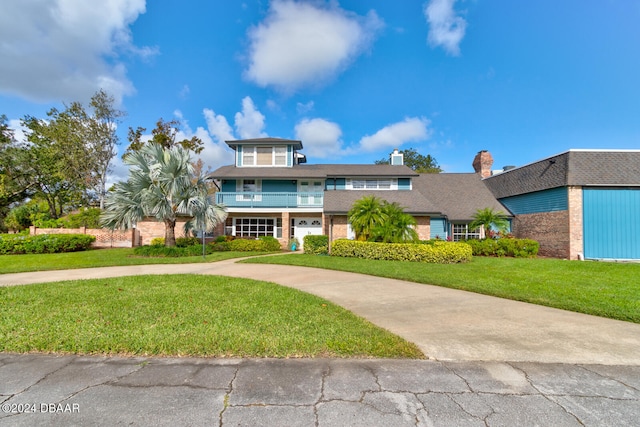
x=611, y=223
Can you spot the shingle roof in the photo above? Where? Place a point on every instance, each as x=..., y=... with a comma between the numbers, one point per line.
x=574, y=167
x=313, y=171
x=265, y=141
x=457, y=195
x=341, y=201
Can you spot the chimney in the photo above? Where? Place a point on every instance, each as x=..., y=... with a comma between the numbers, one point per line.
x=482, y=163
x=397, y=158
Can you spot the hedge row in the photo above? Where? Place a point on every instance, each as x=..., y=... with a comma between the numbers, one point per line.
x=518, y=248
x=189, y=246
x=438, y=252
x=44, y=243
x=316, y=245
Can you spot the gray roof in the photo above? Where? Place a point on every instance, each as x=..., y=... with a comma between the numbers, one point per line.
x=265, y=141
x=457, y=195
x=571, y=168
x=341, y=201
x=313, y=171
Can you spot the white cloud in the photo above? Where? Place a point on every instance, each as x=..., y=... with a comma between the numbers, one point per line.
x=321, y=138
x=445, y=28
x=304, y=108
x=302, y=43
x=67, y=49
x=218, y=126
x=249, y=122
x=395, y=135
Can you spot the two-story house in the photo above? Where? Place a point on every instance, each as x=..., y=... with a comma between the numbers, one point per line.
x=272, y=191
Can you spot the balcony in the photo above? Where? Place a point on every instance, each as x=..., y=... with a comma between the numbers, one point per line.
x=270, y=200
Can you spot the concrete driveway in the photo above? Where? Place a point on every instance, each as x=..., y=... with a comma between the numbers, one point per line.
x=446, y=324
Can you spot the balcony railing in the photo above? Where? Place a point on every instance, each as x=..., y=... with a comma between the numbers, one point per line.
x=270, y=200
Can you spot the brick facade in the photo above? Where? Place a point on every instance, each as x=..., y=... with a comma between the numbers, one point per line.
x=550, y=229
x=576, y=228
x=150, y=229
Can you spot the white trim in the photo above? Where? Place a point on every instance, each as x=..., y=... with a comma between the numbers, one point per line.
x=274, y=210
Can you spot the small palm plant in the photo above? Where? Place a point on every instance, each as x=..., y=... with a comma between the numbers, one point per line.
x=365, y=215
x=398, y=227
x=487, y=219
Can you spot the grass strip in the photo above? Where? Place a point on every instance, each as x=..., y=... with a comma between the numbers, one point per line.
x=100, y=258
x=604, y=289
x=180, y=315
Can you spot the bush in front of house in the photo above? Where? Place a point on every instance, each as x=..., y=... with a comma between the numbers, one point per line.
x=316, y=245
x=171, y=252
x=438, y=252
x=44, y=243
x=261, y=244
x=509, y=247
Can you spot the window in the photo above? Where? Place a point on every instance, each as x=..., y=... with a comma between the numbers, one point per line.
x=251, y=187
x=372, y=184
x=257, y=227
x=462, y=232
x=280, y=156
x=253, y=155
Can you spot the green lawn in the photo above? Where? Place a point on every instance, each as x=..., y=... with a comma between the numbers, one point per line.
x=98, y=258
x=178, y=315
x=599, y=288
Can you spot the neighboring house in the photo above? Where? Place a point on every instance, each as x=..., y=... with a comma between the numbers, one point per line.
x=577, y=204
x=271, y=191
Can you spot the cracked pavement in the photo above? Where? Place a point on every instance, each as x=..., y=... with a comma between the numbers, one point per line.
x=492, y=362
x=312, y=392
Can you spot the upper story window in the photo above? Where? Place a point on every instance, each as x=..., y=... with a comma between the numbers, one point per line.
x=258, y=155
x=372, y=184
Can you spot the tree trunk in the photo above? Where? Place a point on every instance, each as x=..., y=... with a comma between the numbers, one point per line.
x=169, y=232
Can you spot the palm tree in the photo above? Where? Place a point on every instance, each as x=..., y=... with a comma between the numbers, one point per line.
x=365, y=215
x=398, y=226
x=160, y=185
x=488, y=218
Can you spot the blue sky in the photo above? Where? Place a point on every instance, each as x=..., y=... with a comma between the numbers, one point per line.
x=351, y=79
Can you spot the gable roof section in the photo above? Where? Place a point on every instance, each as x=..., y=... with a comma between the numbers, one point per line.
x=265, y=141
x=457, y=195
x=313, y=171
x=573, y=167
x=341, y=201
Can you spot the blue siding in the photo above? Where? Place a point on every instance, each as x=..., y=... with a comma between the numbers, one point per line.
x=555, y=199
x=228, y=185
x=439, y=228
x=611, y=223
x=404, y=183
x=278, y=186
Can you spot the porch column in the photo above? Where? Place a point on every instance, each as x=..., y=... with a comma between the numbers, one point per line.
x=286, y=227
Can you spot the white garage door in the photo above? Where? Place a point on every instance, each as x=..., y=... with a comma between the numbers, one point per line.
x=305, y=226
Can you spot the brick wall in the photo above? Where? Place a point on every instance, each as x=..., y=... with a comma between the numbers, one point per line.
x=105, y=238
x=550, y=229
x=149, y=229
x=576, y=243
x=423, y=227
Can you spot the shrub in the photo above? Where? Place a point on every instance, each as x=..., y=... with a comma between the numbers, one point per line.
x=262, y=244
x=44, y=243
x=517, y=248
x=171, y=252
x=316, y=245
x=438, y=252
x=183, y=242
x=157, y=241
